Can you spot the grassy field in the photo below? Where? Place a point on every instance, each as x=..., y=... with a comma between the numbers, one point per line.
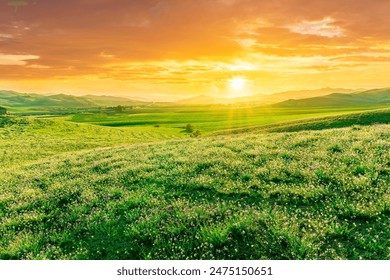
x=209, y=119
x=25, y=140
x=319, y=123
x=303, y=189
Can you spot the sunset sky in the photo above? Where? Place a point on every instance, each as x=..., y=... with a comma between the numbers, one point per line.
x=169, y=49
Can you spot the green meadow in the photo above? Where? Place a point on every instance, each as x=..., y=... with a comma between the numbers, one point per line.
x=208, y=119
x=254, y=183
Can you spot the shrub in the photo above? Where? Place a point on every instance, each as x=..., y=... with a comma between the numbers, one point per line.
x=196, y=133
x=189, y=128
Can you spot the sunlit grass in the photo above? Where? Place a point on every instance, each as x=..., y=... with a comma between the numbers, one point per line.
x=24, y=140
x=306, y=195
x=209, y=119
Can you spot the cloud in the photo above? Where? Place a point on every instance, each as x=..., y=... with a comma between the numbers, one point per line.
x=16, y=59
x=322, y=27
x=6, y=36
x=37, y=66
x=190, y=41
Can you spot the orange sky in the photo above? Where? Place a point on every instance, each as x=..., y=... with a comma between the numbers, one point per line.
x=170, y=49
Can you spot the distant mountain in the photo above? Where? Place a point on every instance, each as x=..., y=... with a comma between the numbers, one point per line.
x=204, y=100
x=200, y=99
x=286, y=95
x=304, y=98
x=106, y=100
x=16, y=99
x=364, y=98
x=264, y=99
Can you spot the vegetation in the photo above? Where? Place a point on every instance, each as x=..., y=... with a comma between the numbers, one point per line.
x=189, y=128
x=208, y=119
x=196, y=133
x=370, y=97
x=362, y=118
x=37, y=101
x=312, y=194
x=160, y=181
x=24, y=140
x=3, y=111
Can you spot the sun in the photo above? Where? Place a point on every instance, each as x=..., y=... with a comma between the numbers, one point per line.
x=237, y=83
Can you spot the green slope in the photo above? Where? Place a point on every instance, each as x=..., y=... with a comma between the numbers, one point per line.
x=26, y=139
x=15, y=99
x=303, y=195
x=297, y=94
x=264, y=98
x=365, y=98
x=380, y=116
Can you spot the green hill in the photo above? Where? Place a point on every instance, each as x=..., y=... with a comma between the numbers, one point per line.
x=294, y=94
x=319, y=98
x=15, y=99
x=365, y=98
x=24, y=140
x=321, y=194
x=264, y=99
x=380, y=116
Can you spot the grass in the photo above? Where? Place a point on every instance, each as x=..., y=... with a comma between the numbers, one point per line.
x=208, y=119
x=320, y=194
x=318, y=123
x=25, y=139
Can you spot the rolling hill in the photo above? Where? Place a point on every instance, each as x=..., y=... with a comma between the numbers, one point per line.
x=301, y=195
x=16, y=99
x=296, y=94
x=204, y=100
x=326, y=96
x=264, y=99
x=380, y=116
x=365, y=98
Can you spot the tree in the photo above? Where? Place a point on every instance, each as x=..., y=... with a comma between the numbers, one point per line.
x=119, y=109
x=189, y=128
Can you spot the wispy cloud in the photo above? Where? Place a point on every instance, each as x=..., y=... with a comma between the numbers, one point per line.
x=324, y=27
x=15, y=59
x=6, y=36
x=193, y=46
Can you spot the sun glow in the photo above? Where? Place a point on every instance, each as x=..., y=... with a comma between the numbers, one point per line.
x=237, y=83
x=173, y=51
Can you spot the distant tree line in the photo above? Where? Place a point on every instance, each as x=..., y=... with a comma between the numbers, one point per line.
x=121, y=109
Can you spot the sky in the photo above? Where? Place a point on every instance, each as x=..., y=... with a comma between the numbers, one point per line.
x=172, y=49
